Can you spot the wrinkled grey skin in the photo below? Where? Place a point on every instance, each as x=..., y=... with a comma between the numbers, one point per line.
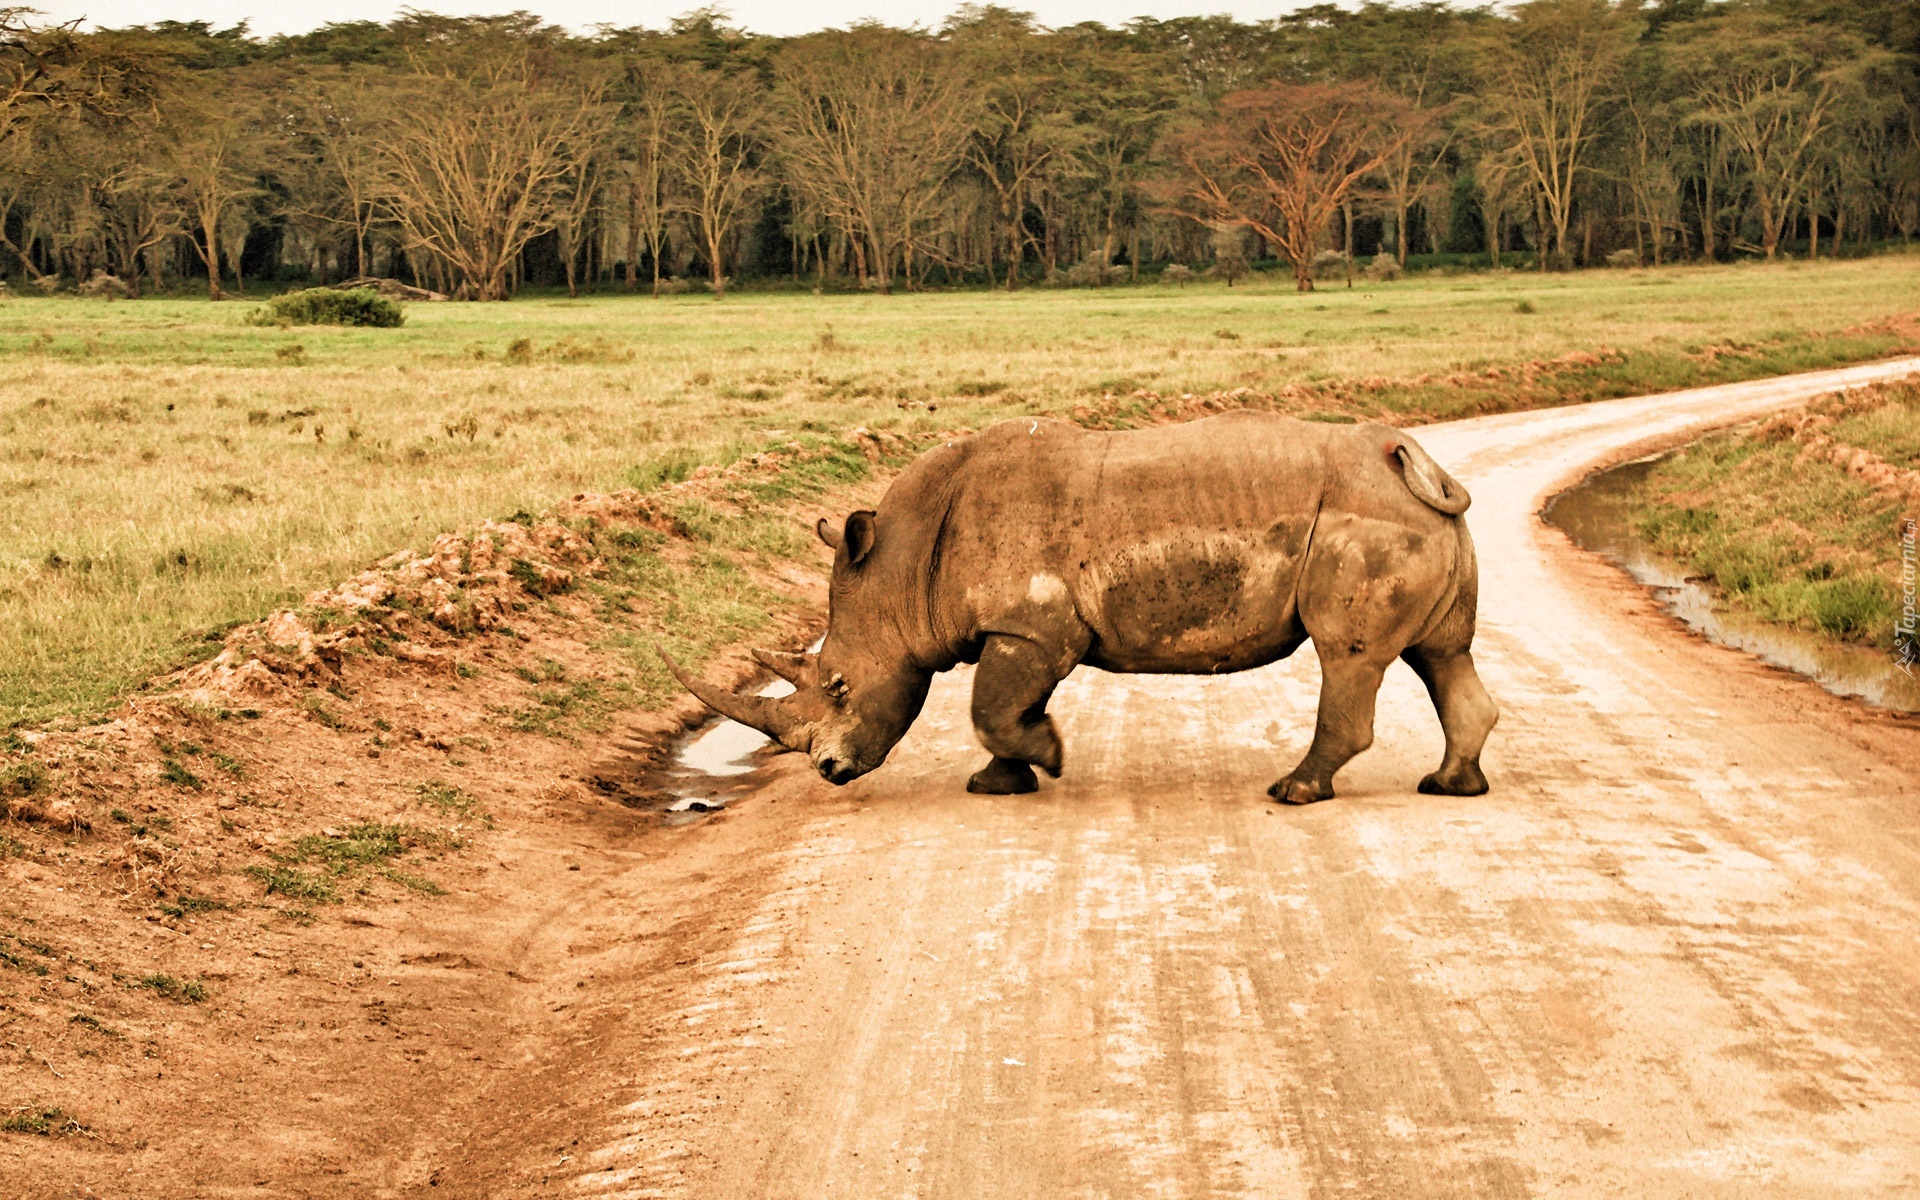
x=1215, y=546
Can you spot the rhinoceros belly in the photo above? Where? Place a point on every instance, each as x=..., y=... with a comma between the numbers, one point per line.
x=1195, y=602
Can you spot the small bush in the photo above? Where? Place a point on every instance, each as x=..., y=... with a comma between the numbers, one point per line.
x=1384, y=268
x=326, y=306
x=172, y=772
x=1328, y=265
x=1629, y=257
x=295, y=885
x=186, y=991
x=186, y=906
x=1092, y=273
x=25, y=778
x=1177, y=273
x=39, y=1120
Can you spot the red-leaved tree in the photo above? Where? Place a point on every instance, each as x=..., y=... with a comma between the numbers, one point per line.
x=1280, y=160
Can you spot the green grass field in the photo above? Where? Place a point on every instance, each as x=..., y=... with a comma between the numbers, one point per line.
x=167, y=469
x=1789, y=540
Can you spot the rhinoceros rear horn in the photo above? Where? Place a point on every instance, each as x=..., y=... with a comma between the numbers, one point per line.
x=796, y=669
x=769, y=716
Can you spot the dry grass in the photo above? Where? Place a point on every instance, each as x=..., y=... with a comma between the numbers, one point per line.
x=167, y=469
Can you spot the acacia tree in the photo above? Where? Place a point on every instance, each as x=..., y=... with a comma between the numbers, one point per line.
x=654, y=139
x=337, y=125
x=214, y=154
x=475, y=152
x=872, y=124
x=1019, y=125
x=1281, y=160
x=1551, y=72
x=1418, y=53
x=716, y=164
x=1120, y=100
x=1647, y=151
x=1776, y=90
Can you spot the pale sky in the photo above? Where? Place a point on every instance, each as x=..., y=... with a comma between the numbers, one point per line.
x=761, y=16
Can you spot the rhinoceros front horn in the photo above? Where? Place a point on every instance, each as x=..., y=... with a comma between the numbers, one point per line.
x=768, y=716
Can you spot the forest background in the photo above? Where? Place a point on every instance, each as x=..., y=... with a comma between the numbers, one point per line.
x=480, y=155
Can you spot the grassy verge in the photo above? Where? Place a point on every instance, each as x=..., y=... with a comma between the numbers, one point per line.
x=168, y=470
x=1793, y=526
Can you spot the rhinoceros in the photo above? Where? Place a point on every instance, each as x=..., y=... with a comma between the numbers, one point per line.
x=1218, y=545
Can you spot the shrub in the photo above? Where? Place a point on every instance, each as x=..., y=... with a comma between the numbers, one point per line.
x=1177, y=273
x=1384, y=268
x=1328, y=264
x=326, y=306
x=1629, y=257
x=1092, y=273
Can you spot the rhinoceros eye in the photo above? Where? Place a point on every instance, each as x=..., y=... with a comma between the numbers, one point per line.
x=836, y=687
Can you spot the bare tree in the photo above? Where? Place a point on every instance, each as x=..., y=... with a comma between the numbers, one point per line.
x=716, y=162
x=337, y=119
x=213, y=153
x=655, y=139
x=1551, y=72
x=872, y=125
x=1020, y=125
x=475, y=152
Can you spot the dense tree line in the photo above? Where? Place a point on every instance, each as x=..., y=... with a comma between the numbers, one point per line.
x=475, y=155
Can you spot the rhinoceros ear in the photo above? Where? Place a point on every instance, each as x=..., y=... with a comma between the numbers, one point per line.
x=859, y=536
x=828, y=533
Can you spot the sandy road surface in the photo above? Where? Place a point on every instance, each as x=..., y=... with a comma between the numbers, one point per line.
x=1675, y=952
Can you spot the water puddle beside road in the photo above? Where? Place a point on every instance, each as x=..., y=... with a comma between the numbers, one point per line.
x=713, y=764
x=1596, y=514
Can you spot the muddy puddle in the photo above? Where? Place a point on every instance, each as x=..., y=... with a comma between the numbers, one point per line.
x=714, y=763
x=1596, y=514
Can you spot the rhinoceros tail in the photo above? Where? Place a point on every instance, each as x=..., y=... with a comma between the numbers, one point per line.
x=1425, y=479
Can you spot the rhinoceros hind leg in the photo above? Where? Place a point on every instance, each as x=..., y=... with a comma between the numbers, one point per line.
x=1349, y=685
x=1467, y=716
x=1011, y=688
x=1004, y=777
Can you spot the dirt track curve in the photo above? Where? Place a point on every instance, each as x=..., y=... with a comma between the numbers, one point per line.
x=1673, y=953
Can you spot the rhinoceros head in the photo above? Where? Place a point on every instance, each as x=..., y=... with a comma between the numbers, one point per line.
x=854, y=699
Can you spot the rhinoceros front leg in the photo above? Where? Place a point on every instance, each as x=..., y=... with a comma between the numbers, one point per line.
x=1349, y=684
x=1011, y=688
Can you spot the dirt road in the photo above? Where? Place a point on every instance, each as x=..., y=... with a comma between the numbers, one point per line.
x=1672, y=953
x=1675, y=952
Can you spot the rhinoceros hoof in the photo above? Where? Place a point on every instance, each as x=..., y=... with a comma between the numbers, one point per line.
x=1299, y=791
x=1466, y=782
x=1004, y=777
